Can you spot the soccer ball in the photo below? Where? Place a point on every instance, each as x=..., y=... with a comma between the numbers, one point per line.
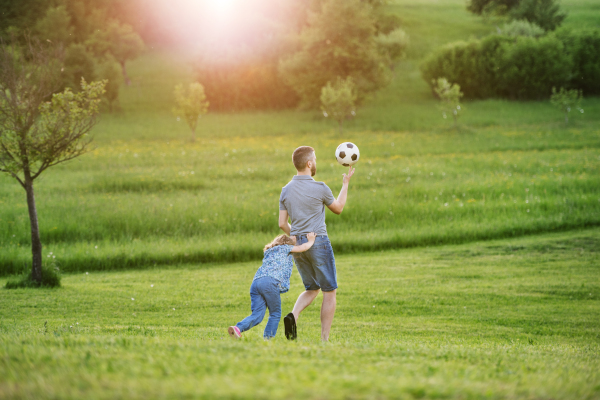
x=347, y=154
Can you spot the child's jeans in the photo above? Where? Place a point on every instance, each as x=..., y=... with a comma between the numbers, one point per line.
x=264, y=293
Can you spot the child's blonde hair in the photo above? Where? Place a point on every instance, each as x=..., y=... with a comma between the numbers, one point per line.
x=278, y=241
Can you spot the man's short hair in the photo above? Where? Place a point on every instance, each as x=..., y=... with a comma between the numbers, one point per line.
x=301, y=156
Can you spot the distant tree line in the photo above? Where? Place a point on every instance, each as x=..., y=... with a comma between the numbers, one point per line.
x=522, y=60
x=282, y=65
x=92, y=42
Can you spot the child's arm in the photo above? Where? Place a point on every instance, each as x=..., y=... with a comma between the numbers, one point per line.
x=303, y=247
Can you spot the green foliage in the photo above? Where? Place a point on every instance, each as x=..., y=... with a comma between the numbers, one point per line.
x=514, y=319
x=191, y=104
x=78, y=64
x=473, y=65
x=109, y=72
x=393, y=43
x=493, y=7
x=21, y=15
x=565, y=100
x=515, y=68
x=584, y=48
x=50, y=279
x=449, y=95
x=118, y=40
x=521, y=28
x=545, y=13
x=339, y=100
x=338, y=41
x=55, y=26
x=530, y=67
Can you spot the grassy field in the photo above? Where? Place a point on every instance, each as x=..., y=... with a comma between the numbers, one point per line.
x=514, y=318
x=147, y=195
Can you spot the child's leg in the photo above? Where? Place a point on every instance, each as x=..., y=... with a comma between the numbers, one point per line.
x=273, y=299
x=258, y=305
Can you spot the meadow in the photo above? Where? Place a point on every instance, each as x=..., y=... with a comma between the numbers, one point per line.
x=514, y=318
x=467, y=258
x=148, y=195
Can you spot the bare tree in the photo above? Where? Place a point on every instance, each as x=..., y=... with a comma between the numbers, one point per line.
x=38, y=127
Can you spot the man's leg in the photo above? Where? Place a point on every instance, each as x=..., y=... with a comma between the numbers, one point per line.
x=327, y=313
x=304, y=301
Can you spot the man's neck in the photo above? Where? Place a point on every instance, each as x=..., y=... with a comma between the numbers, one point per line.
x=307, y=171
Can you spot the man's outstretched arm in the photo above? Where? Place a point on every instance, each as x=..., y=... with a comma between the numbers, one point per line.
x=338, y=205
x=283, y=222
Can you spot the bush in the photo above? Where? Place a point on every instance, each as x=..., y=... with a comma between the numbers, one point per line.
x=110, y=71
x=529, y=68
x=472, y=65
x=521, y=67
x=545, y=13
x=522, y=28
x=584, y=48
x=78, y=64
x=50, y=279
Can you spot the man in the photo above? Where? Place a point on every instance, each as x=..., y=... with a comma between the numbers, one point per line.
x=303, y=200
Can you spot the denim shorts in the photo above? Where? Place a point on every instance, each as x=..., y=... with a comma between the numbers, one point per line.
x=316, y=265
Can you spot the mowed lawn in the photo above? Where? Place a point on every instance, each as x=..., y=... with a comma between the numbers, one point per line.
x=515, y=318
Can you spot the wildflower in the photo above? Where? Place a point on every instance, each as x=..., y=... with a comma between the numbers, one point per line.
x=151, y=285
x=445, y=204
x=325, y=114
x=408, y=179
x=528, y=210
x=95, y=247
x=173, y=309
x=132, y=299
x=87, y=273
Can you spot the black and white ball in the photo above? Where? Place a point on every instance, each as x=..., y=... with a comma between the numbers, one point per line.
x=347, y=154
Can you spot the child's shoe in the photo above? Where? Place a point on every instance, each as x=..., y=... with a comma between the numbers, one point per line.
x=234, y=332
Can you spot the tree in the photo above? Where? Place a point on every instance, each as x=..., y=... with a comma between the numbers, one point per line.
x=565, y=100
x=191, y=104
x=78, y=64
x=55, y=26
x=36, y=134
x=118, y=40
x=338, y=41
x=450, y=96
x=544, y=13
x=109, y=72
x=338, y=100
x=393, y=43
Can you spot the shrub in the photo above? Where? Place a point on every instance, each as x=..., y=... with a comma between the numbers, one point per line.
x=522, y=28
x=530, y=67
x=521, y=67
x=450, y=95
x=584, y=48
x=545, y=13
x=110, y=72
x=472, y=65
x=338, y=100
x=50, y=279
x=566, y=100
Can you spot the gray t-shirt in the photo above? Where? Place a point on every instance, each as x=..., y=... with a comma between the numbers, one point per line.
x=305, y=199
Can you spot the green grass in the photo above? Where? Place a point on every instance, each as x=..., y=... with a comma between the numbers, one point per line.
x=148, y=196
x=514, y=318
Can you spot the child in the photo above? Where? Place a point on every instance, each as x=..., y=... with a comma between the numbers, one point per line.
x=271, y=279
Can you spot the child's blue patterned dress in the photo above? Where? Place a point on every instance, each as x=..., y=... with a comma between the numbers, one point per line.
x=278, y=263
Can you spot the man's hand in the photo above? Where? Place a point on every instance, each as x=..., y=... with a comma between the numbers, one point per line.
x=346, y=179
x=338, y=205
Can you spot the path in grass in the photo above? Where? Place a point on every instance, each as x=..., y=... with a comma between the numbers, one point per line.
x=512, y=318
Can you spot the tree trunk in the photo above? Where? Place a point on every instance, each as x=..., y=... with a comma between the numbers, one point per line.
x=36, y=243
x=125, y=76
